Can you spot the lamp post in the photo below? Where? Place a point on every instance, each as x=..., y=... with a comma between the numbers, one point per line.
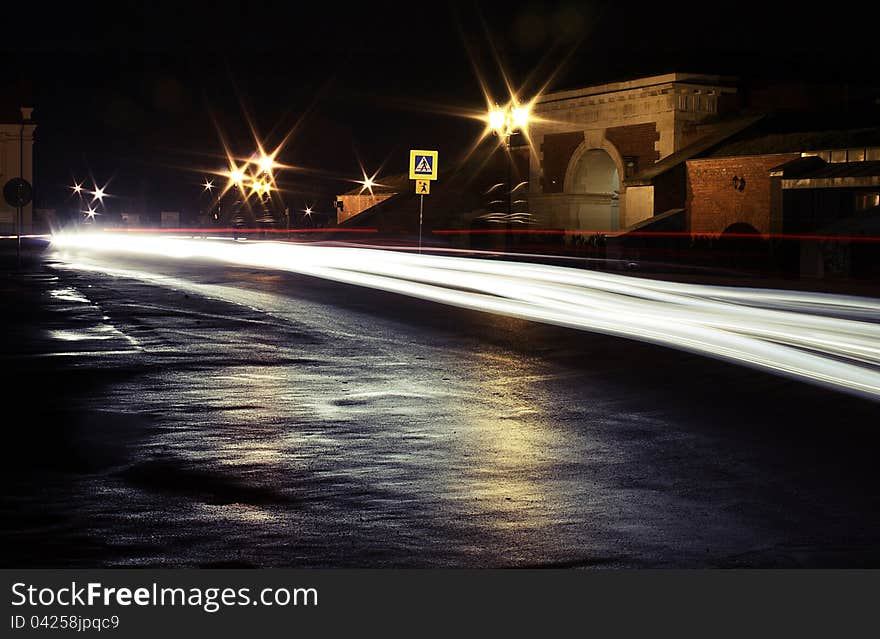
x=208, y=187
x=504, y=122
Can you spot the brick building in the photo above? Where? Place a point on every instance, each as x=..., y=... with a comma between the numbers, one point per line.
x=789, y=173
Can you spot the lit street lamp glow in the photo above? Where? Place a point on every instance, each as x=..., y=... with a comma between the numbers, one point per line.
x=98, y=194
x=496, y=119
x=367, y=183
x=236, y=176
x=77, y=187
x=209, y=185
x=520, y=117
x=266, y=163
x=507, y=120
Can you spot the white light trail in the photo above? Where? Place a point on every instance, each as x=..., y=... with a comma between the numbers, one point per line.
x=831, y=340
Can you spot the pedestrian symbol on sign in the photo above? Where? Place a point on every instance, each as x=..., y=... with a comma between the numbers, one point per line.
x=423, y=164
x=423, y=187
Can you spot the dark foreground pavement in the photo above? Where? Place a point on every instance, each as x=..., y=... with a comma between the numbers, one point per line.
x=204, y=415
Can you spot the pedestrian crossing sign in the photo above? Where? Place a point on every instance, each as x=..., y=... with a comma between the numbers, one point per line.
x=423, y=187
x=423, y=165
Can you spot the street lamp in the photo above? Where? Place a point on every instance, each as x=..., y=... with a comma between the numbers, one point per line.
x=98, y=194
x=504, y=122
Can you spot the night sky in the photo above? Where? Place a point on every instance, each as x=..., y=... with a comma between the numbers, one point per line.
x=132, y=90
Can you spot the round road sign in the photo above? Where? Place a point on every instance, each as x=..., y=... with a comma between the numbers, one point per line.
x=18, y=192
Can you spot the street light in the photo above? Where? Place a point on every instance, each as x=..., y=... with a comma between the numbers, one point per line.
x=236, y=176
x=98, y=194
x=504, y=122
x=266, y=163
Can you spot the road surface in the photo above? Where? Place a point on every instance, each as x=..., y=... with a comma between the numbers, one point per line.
x=190, y=413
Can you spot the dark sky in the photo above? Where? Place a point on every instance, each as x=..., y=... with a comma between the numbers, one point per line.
x=132, y=90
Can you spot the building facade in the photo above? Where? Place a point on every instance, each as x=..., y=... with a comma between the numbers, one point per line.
x=16, y=160
x=587, y=142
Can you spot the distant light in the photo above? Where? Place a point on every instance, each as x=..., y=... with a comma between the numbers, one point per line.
x=266, y=163
x=91, y=213
x=521, y=117
x=308, y=210
x=368, y=182
x=98, y=194
x=77, y=187
x=496, y=119
x=236, y=175
x=209, y=185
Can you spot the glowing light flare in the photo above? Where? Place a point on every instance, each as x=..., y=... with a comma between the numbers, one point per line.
x=308, y=211
x=520, y=116
x=77, y=187
x=497, y=119
x=98, y=194
x=208, y=185
x=509, y=119
x=266, y=163
x=235, y=175
x=368, y=182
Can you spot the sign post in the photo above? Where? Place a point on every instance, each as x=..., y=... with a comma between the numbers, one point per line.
x=422, y=169
x=17, y=193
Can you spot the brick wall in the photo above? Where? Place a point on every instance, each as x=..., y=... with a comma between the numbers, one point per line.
x=713, y=203
x=356, y=204
x=558, y=149
x=636, y=140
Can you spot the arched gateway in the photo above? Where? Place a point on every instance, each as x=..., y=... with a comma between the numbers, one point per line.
x=588, y=142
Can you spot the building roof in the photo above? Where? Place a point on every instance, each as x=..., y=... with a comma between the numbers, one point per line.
x=722, y=132
x=799, y=142
x=787, y=132
x=775, y=133
x=10, y=109
x=845, y=169
x=639, y=83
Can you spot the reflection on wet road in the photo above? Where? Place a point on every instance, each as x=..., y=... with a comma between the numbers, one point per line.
x=207, y=415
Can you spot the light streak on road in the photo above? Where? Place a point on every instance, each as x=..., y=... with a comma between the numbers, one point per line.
x=831, y=340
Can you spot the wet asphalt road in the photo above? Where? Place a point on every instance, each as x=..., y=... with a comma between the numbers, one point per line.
x=195, y=414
